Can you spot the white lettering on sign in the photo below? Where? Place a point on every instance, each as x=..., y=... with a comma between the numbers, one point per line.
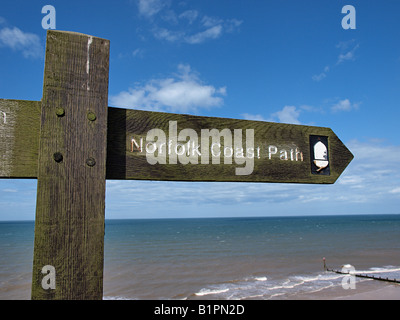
x=3, y=117
x=185, y=147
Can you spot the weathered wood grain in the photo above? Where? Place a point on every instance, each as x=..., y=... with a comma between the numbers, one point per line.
x=126, y=163
x=19, y=138
x=69, y=225
x=19, y=146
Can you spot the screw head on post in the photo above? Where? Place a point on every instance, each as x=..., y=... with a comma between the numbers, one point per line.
x=91, y=116
x=90, y=162
x=58, y=157
x=60, y=112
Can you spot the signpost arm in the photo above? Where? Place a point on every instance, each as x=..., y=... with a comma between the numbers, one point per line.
x=70, y=210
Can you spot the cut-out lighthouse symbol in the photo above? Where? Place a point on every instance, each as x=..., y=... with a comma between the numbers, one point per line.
x=320, y=156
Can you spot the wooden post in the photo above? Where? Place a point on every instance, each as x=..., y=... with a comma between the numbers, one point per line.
x=70, y=209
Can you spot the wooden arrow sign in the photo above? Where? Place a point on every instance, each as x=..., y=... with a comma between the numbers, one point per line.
x=162, y=146
x=144, y=145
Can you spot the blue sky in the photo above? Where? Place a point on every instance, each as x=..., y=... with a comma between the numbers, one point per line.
x=283, y=61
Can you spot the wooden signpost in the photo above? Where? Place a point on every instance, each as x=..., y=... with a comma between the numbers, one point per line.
x=71, y=141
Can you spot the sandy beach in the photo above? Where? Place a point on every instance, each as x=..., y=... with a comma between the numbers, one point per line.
x=391, y=292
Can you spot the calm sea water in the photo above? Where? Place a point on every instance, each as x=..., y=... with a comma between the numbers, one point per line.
x=224, y=258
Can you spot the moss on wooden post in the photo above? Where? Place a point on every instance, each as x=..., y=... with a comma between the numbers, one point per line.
x=69, y=226
x=19, y=138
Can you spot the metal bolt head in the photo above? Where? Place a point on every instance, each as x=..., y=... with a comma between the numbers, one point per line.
x=58, y=157
x=91, y=116
x=60, y=112
x=90, y=162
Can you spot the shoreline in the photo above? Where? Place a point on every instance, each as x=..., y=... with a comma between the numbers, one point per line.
x=389, y=292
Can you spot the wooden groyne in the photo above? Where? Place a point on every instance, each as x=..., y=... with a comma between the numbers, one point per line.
x=358, y=275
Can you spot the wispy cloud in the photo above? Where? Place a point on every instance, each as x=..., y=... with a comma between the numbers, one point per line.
x=374, y=172
x=344, y=105
x=27, y=43
x=149, y=8
x=347, y=56
x=9, y=190
x=189, y=15
x=289, y=114
x=347, y=53
x=188, y=26
x=211, y=33
x=395, y=191
x=181, y=92
x=322, y=75
x=137, y=53
x=255, y=117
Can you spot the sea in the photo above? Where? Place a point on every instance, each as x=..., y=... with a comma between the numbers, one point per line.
x=249, y=258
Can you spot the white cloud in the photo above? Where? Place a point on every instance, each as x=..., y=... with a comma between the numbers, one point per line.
x=289, y=114
x=28, y=43
x=9, y=190
x=349, y=55
x=188, y=26
x=169, y=35
x=138, y=52
x=149, y=8
x=255, y=117
x=395, y=190
x=345, y=45
x=344, y=105
x=189, y=15
x=183, y=92
x=211, y=33
x=352, y=180
x=348, y=50
x=319, y=77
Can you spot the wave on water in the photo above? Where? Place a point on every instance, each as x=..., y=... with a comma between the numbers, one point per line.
x=266, y=288
x=205, y=292
x=389, y=270
x=263, y=288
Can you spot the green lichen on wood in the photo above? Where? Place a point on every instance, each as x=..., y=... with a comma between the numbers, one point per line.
x=69, y=225
x=19, y=138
